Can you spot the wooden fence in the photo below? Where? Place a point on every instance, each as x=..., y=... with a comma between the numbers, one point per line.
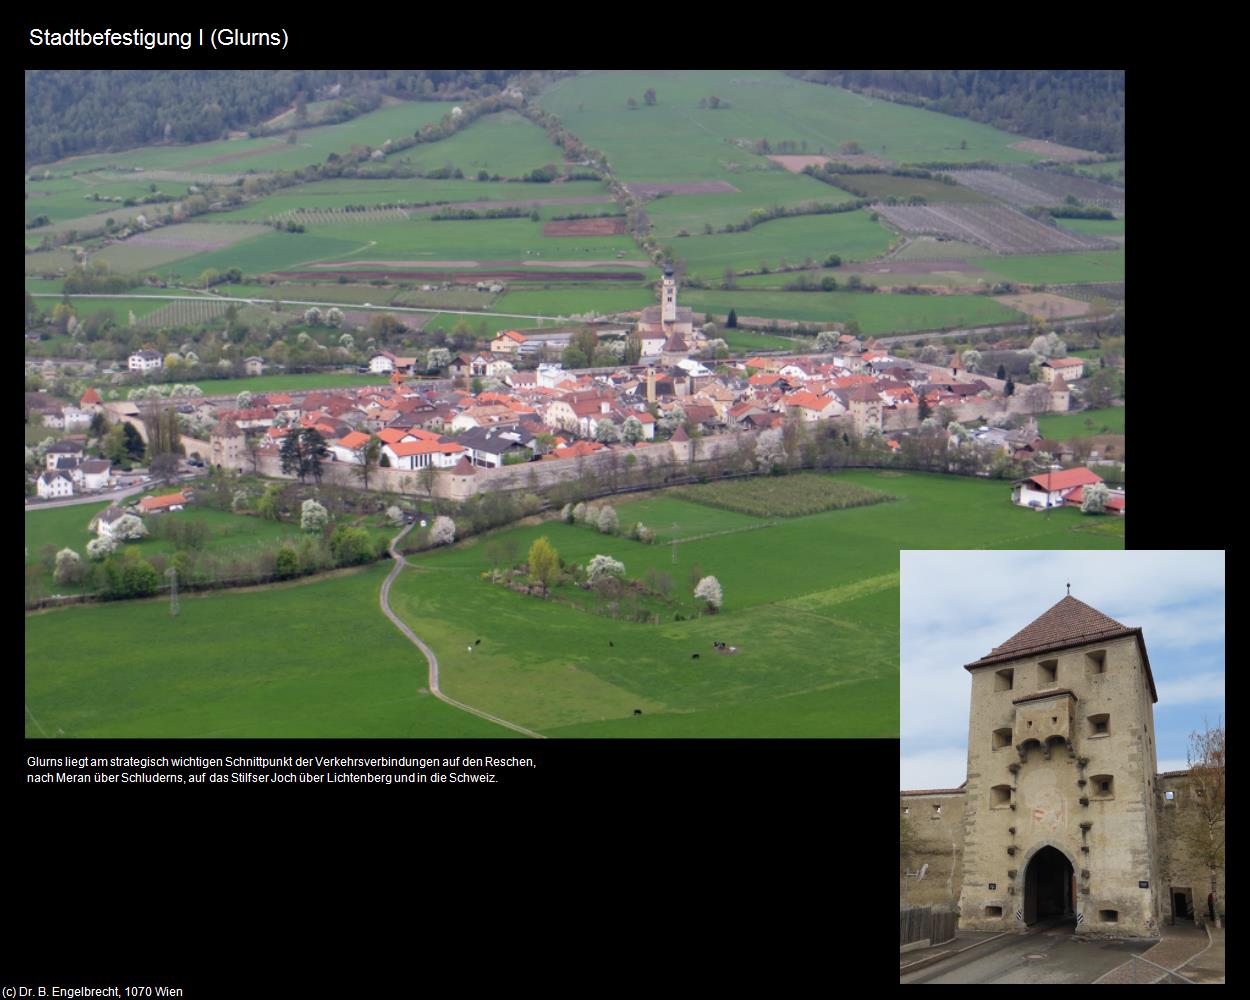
x=922, y=923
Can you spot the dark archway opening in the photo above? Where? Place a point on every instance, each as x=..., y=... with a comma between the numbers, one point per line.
x=1048, y=886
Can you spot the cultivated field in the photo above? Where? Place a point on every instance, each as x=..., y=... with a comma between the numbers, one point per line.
x=1064, y=185
x=875, y=313
x=611, y=226
x=1048, y=269
x=185, y=313
x=230, y=156
x=1045, y=305
x=1052, y=150
x=159, y=247
x=675, y=140
x=882, y=186
x=280, y=662
x=995, y=227
x=932, y=248
x=781, y=496
x=852, y=235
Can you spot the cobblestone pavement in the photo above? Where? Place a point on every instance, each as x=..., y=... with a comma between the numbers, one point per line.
x=1177, y=946
x=1208, y=967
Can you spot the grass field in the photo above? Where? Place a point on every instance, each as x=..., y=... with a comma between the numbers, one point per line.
x=66, y=527
x=232, y=156
x=851, y=235
x=154, y=250
x=756, y=189
x=66, y=198
x=1056, y=268
x=876, y=313
x=951, y=279
x=811, y=602
x=675, y=140
x=269, y=251
x=928, y=248
x=332, y=194
x=1095, y=227
x=284, y=383
x=882, y=186
x=567, y=301
x=313, y=658
x=120, y=309
x=505, y=143
x=1063, y=427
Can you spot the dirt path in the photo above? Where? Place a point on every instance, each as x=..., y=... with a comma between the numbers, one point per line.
x=400, y=562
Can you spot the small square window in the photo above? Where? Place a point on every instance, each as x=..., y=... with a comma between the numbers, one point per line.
x=1096, y=662
x=1047, y=672
x=937, y=811
x=1003, y=680
x=1169, y=795
x=1109, y=916
x=993, y=911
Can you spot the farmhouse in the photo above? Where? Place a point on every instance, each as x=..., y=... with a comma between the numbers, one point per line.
x=384, y=362
x=145, y=361
x=254, y=365
x=508, y=342
x=1051, y=489
x=169, y=501
x=95, y=473
x=107, y=520
x=63, y=449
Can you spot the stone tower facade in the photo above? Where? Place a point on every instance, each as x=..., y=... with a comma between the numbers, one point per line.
x=668, y=298
x=1059, y=816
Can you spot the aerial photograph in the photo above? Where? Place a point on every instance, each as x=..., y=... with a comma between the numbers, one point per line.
x=548, y=404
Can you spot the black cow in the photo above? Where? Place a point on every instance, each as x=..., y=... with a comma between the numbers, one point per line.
x=638, y=711
x=694, y=656
x=477, y=642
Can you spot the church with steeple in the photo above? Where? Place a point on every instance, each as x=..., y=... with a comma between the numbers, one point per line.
x=670, y=324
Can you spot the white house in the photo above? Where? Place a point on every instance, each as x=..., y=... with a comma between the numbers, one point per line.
x=1070, y=368
x=75, y=418
x=107, y=520
x=62, y=449
x=145, y=360
x=1050, y=489
x=345, y=449
x=54, y=484
x=420, y=454
x=95, y=473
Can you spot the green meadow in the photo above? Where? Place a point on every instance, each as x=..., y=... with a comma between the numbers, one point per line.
x=505, y=143
x=876, y=313
x=1095, y=227
x=274, y=152
x=311, y=658
x=557, y=301
x=675, y=140
x=852, y=235
x=1056, y=268
x=335, y=194
x=1065, y=426
x=811, y=603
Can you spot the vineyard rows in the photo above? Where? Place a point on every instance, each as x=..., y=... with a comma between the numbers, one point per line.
x=1024, y=187
x=189, y=312
x=330, y=216
x=996, y=227
x=1088, y=291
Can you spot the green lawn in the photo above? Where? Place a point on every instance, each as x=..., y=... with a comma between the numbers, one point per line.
x=811, y=602
x=1063, y=427
x=562, y=301
x=155, y=250
x=876, y=313
x=120, y=309
x=311, y=659
x=269, y=251
x=64, y=199
x=282, y=383
x=851, y=235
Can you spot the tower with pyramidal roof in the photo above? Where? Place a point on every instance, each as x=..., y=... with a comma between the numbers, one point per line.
x=1059, y=817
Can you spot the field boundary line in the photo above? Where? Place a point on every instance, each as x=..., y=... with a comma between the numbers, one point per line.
x=726, y=531
x=35, y=721
x=384, y=599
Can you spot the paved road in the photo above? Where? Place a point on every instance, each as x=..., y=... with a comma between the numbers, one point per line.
x=429, y=653
x=1051, y=955
x=107, y=495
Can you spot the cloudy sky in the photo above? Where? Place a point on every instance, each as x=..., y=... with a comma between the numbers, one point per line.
x=957, y=605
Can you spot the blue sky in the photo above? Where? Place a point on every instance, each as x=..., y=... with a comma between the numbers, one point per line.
x=957, y=605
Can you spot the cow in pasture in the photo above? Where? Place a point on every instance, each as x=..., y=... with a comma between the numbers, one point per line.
x=638, y=711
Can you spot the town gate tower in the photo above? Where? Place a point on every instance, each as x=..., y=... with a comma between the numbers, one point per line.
x=1060, y=820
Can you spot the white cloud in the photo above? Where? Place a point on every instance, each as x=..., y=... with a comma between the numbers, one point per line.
x=943, y=767
x=1191, y=690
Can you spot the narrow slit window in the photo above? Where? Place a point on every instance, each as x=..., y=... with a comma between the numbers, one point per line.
x=993, y=911
x=1100, y=725
x=1103, y=786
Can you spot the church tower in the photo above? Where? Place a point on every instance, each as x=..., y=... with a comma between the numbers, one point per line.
x=668, y=297
x=1060, y=814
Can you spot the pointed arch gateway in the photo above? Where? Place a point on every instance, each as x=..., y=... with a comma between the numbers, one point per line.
x=1048, y=880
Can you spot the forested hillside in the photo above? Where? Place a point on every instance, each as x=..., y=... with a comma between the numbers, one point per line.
x=71, y=111
x=1083, y=108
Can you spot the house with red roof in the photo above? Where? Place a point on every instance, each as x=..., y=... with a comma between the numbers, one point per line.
x=811, y=407
x=347, y=448
x=1051, y=489
x=420, y=454
x=168, y=501
x=1114, y=505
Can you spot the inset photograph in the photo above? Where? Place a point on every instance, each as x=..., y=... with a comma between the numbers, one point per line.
x=1062, y=767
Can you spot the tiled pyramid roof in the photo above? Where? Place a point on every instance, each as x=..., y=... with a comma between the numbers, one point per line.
x=1068, y=623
